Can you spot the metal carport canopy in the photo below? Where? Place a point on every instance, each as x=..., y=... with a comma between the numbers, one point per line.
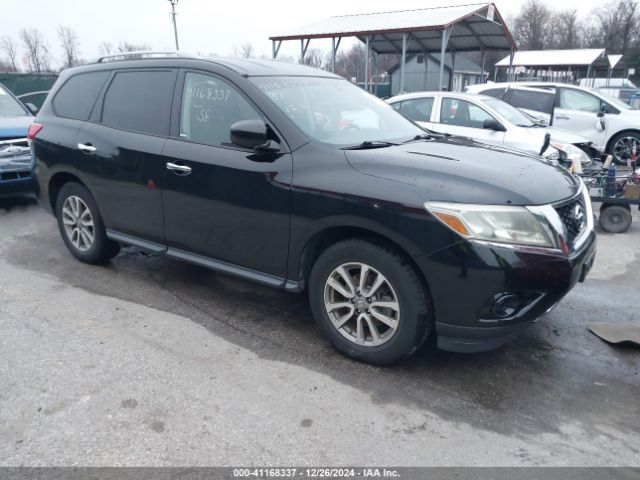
x=459, y=28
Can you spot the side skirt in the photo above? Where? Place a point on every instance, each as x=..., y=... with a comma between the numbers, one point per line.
x=207, y=262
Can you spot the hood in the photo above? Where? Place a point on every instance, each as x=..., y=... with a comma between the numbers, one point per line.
x=12, y=127
x=461, y=170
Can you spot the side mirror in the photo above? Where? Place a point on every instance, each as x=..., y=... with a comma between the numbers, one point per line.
x=32, y=108
x=493, y=124
x=249, y=133
x=603, y=110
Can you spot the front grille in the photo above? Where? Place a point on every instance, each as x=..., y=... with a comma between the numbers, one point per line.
x=573, y=225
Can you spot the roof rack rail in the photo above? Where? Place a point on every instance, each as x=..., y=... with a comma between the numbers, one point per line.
x=112, y=57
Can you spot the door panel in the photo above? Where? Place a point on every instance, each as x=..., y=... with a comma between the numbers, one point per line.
x=459, y=117
x=577, y=111
x=234, y=206
x=127, y=172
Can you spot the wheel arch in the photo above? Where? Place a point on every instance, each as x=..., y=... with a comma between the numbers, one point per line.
x=329, y=236
x=617, y=134
x=57, y=181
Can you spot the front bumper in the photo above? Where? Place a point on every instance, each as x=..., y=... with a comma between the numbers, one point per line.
x=467, y=278
x=15, y=168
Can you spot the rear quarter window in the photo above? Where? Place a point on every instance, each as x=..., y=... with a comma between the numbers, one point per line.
x=536, y=101
x=140, y=101
x=76, y=97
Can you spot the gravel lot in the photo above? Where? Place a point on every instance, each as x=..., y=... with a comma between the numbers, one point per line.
x=149, y=361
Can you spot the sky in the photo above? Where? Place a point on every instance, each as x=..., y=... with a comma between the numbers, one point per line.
x=204, y=26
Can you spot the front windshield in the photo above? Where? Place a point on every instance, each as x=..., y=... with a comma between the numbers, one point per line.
x=9, y=107
x=614, y=101
x=335, y=111
x=511, y=113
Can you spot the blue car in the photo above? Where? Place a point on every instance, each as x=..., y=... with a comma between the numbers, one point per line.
x=15, y=154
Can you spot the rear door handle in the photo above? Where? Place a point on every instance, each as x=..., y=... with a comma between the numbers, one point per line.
x=86, y=148
x=563, y=117
x=180, y=169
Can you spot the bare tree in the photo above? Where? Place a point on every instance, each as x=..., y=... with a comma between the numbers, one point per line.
x=614, y=26
x=37, y=50
x=314, y=57
x=10, y=48
x=350, y=63
x=245, y=50
x=565, y=30
x=133, y=47
x=106, y=48
x=531, y=26
x=69, y=44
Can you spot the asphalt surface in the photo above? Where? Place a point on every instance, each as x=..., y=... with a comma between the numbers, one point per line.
x=148, y=362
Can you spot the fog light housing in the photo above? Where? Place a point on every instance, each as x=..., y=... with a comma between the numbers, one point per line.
x=507, y=306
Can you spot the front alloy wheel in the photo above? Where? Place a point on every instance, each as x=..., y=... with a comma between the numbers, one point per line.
x=623, y=147
x=369, y=302
x=362, y=304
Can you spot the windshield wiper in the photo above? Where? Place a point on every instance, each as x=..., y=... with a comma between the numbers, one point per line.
x=422, y=136
x=368, y=144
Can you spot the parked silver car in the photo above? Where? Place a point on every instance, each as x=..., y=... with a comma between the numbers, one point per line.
x=611, y=125
x=489, y=120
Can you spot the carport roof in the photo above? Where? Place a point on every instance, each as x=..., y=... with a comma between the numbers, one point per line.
x=474, y=27
x=548, y=58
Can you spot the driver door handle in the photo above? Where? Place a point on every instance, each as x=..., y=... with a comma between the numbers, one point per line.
x=181, y=169
x=86, y=148
x=563, y=117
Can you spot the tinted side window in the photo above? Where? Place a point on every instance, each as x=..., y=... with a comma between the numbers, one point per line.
x=418, y=110
x=462, y=113
x=210, y=106
x=76, y=97
x=537, y=101
x=494, y=92
x=139, y=101
x=577, y=100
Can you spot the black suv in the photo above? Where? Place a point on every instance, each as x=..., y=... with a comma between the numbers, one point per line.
x=296, y=178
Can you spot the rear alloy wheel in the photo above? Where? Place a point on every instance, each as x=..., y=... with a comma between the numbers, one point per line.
x=78, y=223
x=81, y=225
x=623, y=145
x=369, y=301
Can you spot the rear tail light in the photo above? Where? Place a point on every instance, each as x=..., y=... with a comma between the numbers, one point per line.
x=34, y=129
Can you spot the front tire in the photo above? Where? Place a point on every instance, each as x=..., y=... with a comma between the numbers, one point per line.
x=369, y=302
x=81, y=226
x=622, y=144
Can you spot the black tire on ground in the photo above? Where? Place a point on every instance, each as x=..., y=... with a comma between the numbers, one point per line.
x=102, y=250
x=415, y=321
x=615, y=218
x=615, y=140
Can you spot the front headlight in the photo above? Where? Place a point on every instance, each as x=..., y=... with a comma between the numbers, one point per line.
x=493, y=223
x=571, y=152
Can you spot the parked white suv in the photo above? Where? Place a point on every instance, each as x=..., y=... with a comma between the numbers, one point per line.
x=489, y=120
x=612, y=126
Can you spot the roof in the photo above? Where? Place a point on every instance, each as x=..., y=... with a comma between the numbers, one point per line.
x=548, y=58
x=474, y=26
x=461, y=95
x=251, y=67
x=463, y=64
x=614, y=59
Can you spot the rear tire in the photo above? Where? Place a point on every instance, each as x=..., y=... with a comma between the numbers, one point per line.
x=615, y=218
x=81, y=225
x=385, y=317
